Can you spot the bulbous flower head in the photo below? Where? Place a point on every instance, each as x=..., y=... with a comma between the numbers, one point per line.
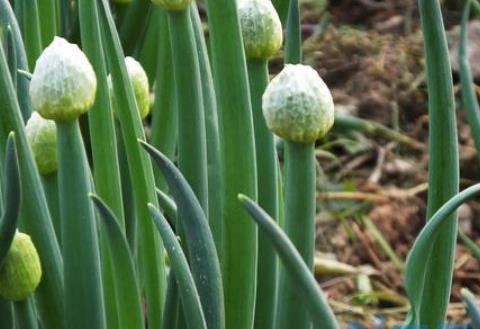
x=297, y=105
x=139, y=81
x=173, y=4
x=21, y=271
x=261, y=28
x=63, y=84
x=42, y=137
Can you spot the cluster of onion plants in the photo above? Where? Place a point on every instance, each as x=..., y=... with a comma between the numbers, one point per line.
x=193, y=222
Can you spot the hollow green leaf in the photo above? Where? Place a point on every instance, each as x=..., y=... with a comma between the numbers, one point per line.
x=128, y=295
x=187, y=289
x=8, y=222
x=84, y=305
x=199, y=241
x=140, y=168
x=443, y=168
x=300, y=274
x=7, y=18
x=238, y=166
x=26, y=314
x=469, y=96
x=416, y=270
x=471, y=305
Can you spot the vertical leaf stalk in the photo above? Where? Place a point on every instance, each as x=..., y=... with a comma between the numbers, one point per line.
x=300, y=187
x=267, y=197
x=213, y=143
x=443, y=164
x=237, y=149
x=192, y=154
x=84, y=307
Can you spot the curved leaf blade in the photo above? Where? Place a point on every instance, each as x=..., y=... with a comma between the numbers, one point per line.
x=199, y=240
x=188, y=292
x=128, y=295
x=321, y=313
x=8, y=223
x=416, y=270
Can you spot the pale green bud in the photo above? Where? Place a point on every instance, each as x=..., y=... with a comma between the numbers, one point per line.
x=21, y=271
x=42, y=137
x=63, y=84
x=173, y=4
x=139, y=81
x=297, y=105
x=261, y=28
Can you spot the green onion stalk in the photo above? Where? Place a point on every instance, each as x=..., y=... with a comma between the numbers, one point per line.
x=237, y=149
x=31, y=30
x=442, y=167
x=298, y=107
x=192, y=158
x=150, y=250
x=35, y=218
x=72, y=70
x=9, y=22
x=164, y=112
x=262, y=38
x=211, y=129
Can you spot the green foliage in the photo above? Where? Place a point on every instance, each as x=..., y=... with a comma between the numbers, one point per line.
x=111, y=271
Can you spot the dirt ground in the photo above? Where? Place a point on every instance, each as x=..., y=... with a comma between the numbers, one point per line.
x=372, y=191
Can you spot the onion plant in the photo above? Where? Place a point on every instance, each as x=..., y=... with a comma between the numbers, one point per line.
x=191, y=179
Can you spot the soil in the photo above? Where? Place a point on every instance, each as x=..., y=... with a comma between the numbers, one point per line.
x=371, y=55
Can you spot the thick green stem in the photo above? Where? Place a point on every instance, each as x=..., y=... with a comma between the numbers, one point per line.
x=31, y=31
x=470, y=102
x=300, y=187
x=100, y=118
x=84, y=306
x=50, y=185
x=267, y=198
x=192, y=153
x=164, y=112
x=443, y=165
x=151, y=253
x=238, y=161
x=25, y=314
x=213, y=142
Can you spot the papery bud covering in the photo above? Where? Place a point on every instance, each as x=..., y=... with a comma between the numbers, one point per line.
x=21, y=271
x=63, y=84
x=261, y=28
x=297, y=105
x=42, y=137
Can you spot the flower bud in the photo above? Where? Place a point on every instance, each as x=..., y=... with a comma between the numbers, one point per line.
x=261, y=28
x=139, y=81
x=297, y=105
x=63, y=84
x=42, y=137
x=173, y=4
x=21, y=271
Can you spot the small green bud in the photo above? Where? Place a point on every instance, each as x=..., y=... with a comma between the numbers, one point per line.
x=21, y=271
x=173, y=4
x=297, y=105
x=63, y=84
x=139, y=81
x=42, y=136
x=261, y=28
